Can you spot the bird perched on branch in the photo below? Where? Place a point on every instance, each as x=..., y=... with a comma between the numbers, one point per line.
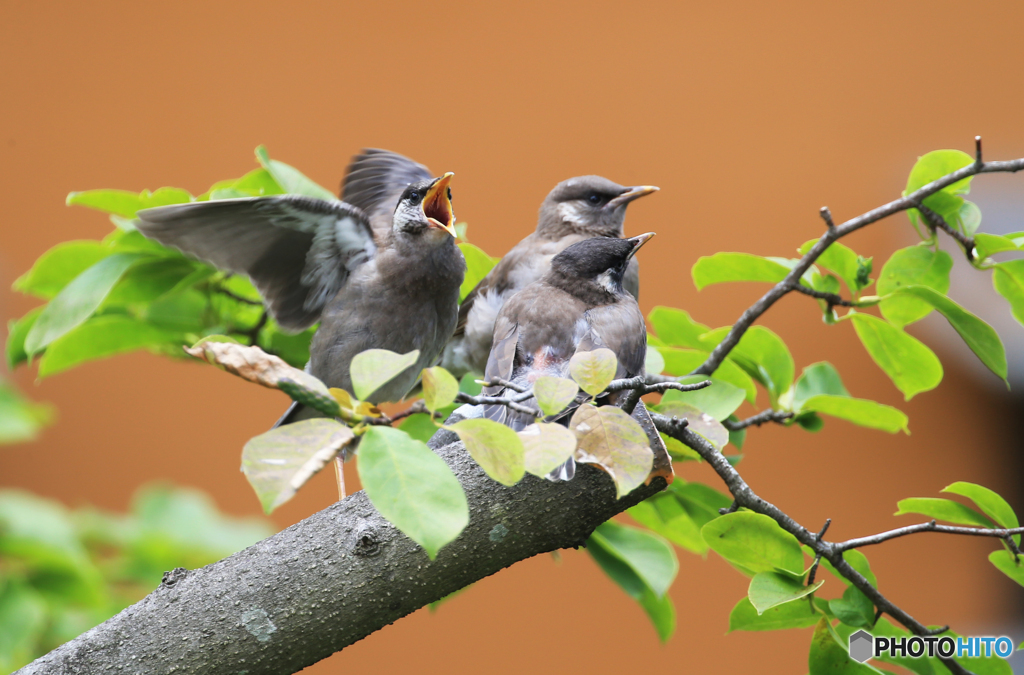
x=580, y=305
x=378, y=270
x=575, y=210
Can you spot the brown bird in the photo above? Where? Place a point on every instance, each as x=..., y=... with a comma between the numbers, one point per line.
x=580, y=305
x=575, y=210
x=373, y=283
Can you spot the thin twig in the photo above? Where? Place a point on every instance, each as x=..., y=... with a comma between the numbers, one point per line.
x=826, y=215
x=254, y=333
x=497, y=400
x=745, y=497
x=236, y=296
x=641, y=382
x=763, y=417
x=780, y=289
x=930, y=526
x=830, y=298
x=936, y=221
x=415, y=408
x=507, y=384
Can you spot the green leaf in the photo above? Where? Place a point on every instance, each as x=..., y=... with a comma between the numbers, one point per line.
x=593, y=371
x=947, y=201
x=495, y=447
x=78, y=300
x=788, y=615
x=723, y=267
x=861, y=412
x=1005, y=563
x=412, y=487
x=56, y=268
x=291, y=180
x=856, y=560
x=680, y=362
x=553, y=394
x=119, y=202
x=912, y=367
x=854, y=608
x=680, y=512
x=419, y=426
x=150, y=280
x=16, y=332
x=439, y=388
x=613, y=440
x=373, y=368
x=280, y=461
x=1008, y=280
x=980, y=337
x=675, y=327
x=942, y=509
x=912, y=266
x=648, y=555
x=829, y=657
x=719, y=400
x=100, y=337
x=754, y=543
x=771, y=589
x=621, y=570
x=990, y=244
x=478, y=265
x=20, y=419
x=654, y=363
x=700, y=422
x=817, y=378
x=23, y=618
x=126, y=204
x=990, y=502
x=256, y=183
x=839, y=259
x=762, y=354
x=546, y=447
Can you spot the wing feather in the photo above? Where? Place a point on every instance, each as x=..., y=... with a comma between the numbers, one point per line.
x=299, y=251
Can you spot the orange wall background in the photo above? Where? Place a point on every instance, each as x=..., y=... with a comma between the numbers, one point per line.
x=749, y=115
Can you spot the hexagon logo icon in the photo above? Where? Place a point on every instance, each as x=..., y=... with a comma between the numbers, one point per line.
x=861, y=646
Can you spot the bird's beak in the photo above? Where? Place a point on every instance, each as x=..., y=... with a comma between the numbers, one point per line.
x=437, y=207
x=639, y=241
x=629, y=195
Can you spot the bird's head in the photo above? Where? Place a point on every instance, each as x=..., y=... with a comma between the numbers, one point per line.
x=588, y=205
x=425, y=208
x=598, y=262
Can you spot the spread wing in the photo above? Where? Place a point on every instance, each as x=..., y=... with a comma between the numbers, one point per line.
x=375, y=180
x=298, y=251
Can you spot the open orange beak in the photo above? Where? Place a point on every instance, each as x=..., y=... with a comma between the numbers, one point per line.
x=437, y=205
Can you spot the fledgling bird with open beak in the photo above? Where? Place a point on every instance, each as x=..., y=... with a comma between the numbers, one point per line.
x=371, y=283
x=580, y=305
x=575, y=210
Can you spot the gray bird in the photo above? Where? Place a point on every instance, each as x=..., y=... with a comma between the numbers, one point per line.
x=370, y=282
x=575, y=210
x=580, y=305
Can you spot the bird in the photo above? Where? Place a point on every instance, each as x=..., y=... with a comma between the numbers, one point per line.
x=576, y=209
x=579, y=305
x=378, y=269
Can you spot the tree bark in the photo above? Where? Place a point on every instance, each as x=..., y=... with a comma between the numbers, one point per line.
x=334, y=578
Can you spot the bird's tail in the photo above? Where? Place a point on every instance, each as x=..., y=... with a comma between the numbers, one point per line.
x=296, y=413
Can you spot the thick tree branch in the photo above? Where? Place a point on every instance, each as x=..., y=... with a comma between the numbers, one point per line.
x=334, y=578
x=747, y=498
x=835, y=233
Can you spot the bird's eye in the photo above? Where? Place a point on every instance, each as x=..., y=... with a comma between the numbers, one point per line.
x=415, y=197
x=594, y=198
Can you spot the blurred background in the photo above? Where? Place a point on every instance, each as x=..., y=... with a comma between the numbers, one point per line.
x=749, y=116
